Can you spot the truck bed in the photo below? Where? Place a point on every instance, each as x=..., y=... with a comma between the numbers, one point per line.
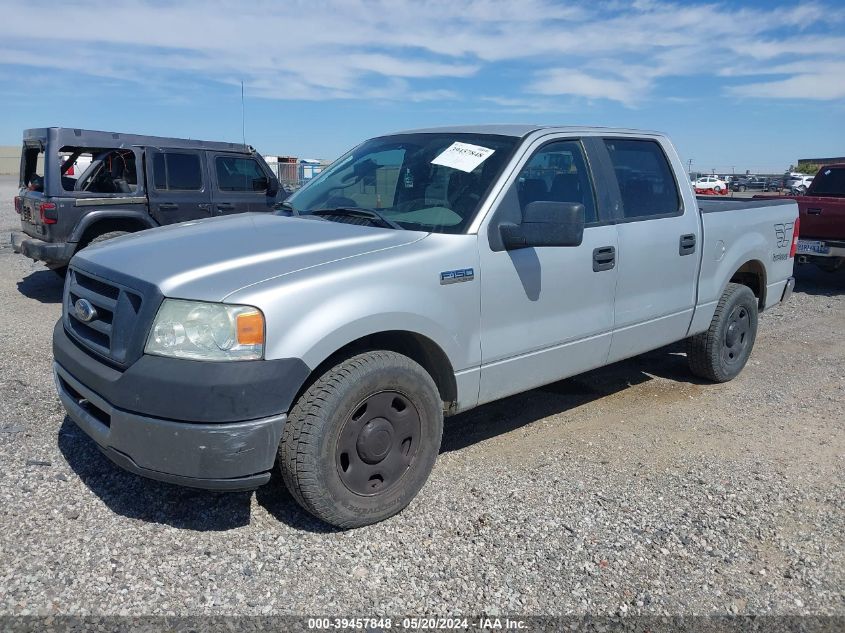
x=751, y=233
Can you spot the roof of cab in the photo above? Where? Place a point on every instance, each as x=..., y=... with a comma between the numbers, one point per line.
x=76, y=137
x=523, y=130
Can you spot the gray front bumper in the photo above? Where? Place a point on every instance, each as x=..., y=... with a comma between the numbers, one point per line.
x=225, y=456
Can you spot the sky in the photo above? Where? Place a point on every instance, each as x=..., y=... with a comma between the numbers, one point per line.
x=737, y=85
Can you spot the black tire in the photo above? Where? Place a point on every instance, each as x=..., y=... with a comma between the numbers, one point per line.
x=103, y=237
x=361, y=441
x=720, y=353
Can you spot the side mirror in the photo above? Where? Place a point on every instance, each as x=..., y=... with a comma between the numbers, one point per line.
x=546, y=223
x=271, y=185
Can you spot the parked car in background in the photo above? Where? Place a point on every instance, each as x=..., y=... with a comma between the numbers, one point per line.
x=417, y=277
x=799, y=185
x=710, y=184
x=131, y=183
x=750, y=183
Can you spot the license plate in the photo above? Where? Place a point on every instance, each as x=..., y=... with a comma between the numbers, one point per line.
x=813, y=247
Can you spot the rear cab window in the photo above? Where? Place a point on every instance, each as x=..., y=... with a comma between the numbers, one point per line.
x=646, y=182
x=830, y=181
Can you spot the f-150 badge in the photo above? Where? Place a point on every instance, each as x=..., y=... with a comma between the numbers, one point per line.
x=456, y=276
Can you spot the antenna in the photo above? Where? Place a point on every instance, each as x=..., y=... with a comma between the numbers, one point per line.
x=243, y=114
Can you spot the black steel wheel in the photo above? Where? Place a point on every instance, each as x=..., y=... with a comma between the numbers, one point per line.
x=720, y=353
x=360, y=442
x=378, y=443
x=737, y=335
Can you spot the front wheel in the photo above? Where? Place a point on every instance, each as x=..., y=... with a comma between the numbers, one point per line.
x=361, y=441
x=720, y=353
x=717, y=189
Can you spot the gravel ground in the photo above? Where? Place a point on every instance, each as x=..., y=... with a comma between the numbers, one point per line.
x=632, y=489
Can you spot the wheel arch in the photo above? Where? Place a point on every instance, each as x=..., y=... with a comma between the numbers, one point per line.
x=752, y=274
x=416, y=346
x=99, y=222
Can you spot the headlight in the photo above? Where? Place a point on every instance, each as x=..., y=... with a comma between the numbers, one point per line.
x=207, y=331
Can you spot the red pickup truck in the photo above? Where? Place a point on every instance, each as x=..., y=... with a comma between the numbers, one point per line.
x=822, y=211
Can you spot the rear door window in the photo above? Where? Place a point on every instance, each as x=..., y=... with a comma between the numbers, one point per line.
x=177, y=171
x=646, y=181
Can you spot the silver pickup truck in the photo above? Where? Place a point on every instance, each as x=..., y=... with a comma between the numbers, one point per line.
x=424, y=273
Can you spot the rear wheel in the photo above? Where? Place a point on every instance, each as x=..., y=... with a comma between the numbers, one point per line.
x=104, y=237
x=361, y=441
x=720, y=353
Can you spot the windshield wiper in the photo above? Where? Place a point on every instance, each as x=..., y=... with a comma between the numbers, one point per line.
x=362, y=212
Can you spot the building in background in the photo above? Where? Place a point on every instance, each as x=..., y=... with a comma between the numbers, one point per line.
x=820, y=161
x=294, y=172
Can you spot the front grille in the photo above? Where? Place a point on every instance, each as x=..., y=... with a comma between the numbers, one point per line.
x=112, y=328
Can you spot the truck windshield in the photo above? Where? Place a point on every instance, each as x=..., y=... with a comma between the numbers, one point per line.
x=423, y=182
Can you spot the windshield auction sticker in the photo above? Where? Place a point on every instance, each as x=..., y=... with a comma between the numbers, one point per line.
x=463, y=156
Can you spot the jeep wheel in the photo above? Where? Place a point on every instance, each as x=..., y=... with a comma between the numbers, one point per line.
x=361, y=441
x=720, y=353
x=103, y=237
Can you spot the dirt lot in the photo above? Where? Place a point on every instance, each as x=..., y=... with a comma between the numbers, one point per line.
x=632, y=489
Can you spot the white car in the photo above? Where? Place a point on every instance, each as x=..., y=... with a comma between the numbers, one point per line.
x=799, y=185
x=713, y=183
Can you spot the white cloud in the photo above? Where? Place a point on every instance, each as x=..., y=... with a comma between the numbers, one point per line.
x=825, y=82
x=438, y=49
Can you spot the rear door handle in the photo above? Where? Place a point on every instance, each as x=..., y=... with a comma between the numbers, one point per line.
x=604, y=258
x=687, y=244
x=225, y=206
x=814, y=211
x=204, y=205
x=168, y=206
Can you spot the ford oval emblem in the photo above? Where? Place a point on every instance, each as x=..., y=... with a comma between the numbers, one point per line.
x=85, y=312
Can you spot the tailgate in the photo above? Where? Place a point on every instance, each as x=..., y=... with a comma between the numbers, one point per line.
x=822, y=217
x=30, y=219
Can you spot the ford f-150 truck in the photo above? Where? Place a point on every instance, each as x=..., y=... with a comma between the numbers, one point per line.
x=424, y=273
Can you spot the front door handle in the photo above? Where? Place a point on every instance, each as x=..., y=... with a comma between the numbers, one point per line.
x=168, y=206
x=204, y=205
x=225, y=206
x=814, y=211
x=604, y=258
x=687, y=244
